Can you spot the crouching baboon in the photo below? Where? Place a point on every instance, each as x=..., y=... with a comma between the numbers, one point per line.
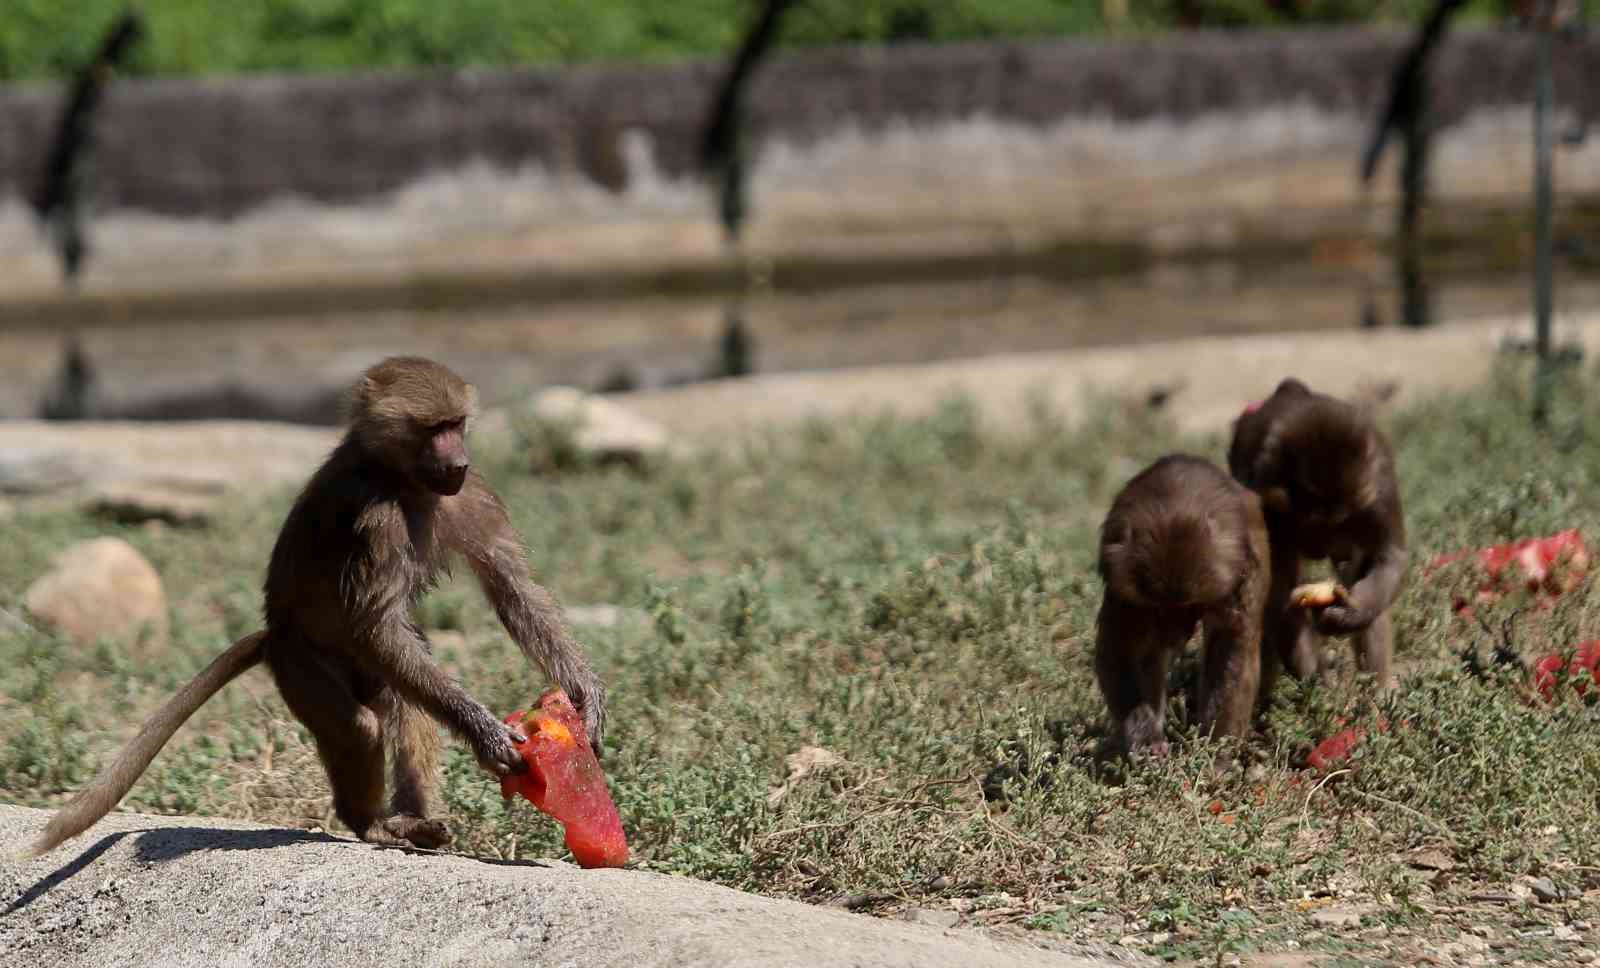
x=1183, y=545
x=366, y=538
x=1327, y=483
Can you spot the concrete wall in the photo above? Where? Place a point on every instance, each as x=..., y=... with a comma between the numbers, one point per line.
x=222, y=146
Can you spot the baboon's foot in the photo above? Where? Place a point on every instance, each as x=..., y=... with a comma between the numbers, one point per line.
x=405, y=830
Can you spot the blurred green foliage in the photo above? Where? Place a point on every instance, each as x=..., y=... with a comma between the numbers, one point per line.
x=49, y=38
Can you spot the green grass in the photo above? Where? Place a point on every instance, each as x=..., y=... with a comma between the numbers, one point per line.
x=918, y=598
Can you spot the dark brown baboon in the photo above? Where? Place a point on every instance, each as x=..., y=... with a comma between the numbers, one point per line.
x=1183, y=545
x=365, y=540
x=1326, y=478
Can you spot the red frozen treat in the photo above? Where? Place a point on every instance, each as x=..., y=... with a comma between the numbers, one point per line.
x=564, y=780
x=1586, y=658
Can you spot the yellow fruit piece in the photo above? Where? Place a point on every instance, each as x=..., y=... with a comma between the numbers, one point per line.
x=1318, y=595
x=556, y=731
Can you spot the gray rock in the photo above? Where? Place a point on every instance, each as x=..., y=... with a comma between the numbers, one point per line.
x=596, y=427
x=188, y=891
x=1338, y=917
x=135, y=504
x=100, y=588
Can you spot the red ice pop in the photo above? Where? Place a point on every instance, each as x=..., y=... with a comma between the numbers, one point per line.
x=564, y=780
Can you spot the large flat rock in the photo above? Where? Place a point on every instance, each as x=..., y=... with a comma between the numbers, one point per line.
x=180, y=891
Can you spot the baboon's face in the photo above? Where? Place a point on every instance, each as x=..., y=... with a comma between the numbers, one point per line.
x=443, y=463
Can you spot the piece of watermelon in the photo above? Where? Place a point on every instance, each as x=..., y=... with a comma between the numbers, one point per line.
x=1548, y=567
x=1586, y=658
x=564, y=780
x=1338, y=747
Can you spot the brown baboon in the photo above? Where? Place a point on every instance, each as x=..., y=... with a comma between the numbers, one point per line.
x=1183, y=545
x=1326, y=478
x=364, y=541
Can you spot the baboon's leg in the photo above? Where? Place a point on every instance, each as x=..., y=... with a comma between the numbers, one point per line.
x=414, y=740
x=1231, y=678
x=1288, y=632
x=1132, y=651
x=1374, y=648
x=349, y=736
x=1373, y=645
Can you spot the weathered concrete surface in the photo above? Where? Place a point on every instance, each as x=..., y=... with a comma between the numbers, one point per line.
x=289, y=196
x=204, y=456
x=223, y=145
x=1210, y=379
x=174, y=892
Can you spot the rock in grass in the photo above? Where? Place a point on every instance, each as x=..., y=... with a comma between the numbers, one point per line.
x=102, y=588
x=1545, y=890
x=135, y=504
x=595, y=429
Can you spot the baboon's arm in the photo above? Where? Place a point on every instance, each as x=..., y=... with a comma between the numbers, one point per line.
x=485, y=537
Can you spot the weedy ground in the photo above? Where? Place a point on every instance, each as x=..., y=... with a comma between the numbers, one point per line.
x=917, y=599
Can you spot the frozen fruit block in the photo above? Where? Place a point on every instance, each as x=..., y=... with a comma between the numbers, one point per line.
x=1586, y=658
x=564, y=780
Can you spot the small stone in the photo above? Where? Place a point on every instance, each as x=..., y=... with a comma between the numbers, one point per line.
x=598, y=428
x=1545, y=889
x=100, y=588
x=1431, y=860
x=1161, y=937
x=1565, y=932
x=1336, y=918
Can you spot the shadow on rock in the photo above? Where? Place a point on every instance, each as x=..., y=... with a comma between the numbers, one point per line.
x=169, y=843
x=63, y=873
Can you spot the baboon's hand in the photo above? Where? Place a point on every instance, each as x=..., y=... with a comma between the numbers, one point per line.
x=497, y=750
x=1343, y=619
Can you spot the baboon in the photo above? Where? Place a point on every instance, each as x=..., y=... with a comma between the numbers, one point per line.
x=1183, y=545
x=366, y=538
x=1327, y=483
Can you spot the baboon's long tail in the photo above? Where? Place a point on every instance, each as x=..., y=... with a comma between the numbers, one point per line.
x=96, y=800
